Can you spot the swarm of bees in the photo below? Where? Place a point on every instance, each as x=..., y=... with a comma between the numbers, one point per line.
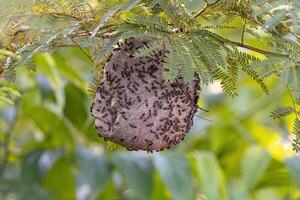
x=136, y=108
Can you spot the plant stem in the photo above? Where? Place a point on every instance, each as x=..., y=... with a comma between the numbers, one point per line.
x=239, y=44
x=85, y=53
x=205, y=8
x=244, y=29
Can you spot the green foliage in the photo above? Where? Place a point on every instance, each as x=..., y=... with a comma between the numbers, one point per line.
x=282, y=112
x=176, y=12
x=8, y=95
x=149, y=50
x=296, y=131
x=53, y=150
x=178, y=179
x=236, y=157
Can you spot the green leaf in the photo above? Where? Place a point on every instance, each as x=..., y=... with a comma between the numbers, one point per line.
x=43, y=118
x=188, y=64
x=148, y=50
x=253, y=166
x=293, y=165
x=75, y=106
x=130, y=4
x=55, y=128
x=60, y=181
x=211, y=176
x=8, y=95
x=126, y=6
x=282, y=112
x=176, y=174
x=137, y=172
x=105, y=18
x=69, y=72
x=31, y=171
x=107, y=47
x=47, y=65
x=94, y=171
x=154, y=22
x=172, y=62
x=159, y=189
x=108, y=192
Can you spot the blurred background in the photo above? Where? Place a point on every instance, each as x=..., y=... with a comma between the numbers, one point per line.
x=50, y=150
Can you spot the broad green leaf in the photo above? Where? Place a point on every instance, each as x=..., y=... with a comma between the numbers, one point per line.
x=93, y=171
x=31, y=171
x=293, y=165
x=51, y=125
x=60, y=181
x=159, y=189
x=62, y=135
x=175, y=172
x=47, y=65
x=211, y=176
x=69, y=72
x=108, y=192
x=30, y=99
x=253, y=166
x=24, y=190
x=43, y=118
x=137, y=172
x=238, y=191
x=76, y=106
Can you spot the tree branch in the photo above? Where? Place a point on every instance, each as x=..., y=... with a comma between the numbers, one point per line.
x=239, y=44
x=66, y=15
x=207, y=5
x=244, y=29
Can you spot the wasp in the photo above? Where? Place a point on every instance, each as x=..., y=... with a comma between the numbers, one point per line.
x=132, y=126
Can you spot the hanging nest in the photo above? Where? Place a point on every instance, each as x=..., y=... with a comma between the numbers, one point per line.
x=136, y=108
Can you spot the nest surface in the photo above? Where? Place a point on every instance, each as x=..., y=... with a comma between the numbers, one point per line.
x=136, y=108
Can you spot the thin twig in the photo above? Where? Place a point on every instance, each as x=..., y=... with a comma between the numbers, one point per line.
x=244, y=29
x=207, y=5
x=66, y=15
x=239, y=44
x=209, y=120
x=87, y=55
x=292, y=99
